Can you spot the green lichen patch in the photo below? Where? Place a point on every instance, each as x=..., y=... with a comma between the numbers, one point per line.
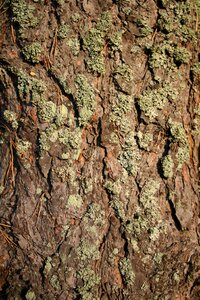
x=120, y=108
x=76, y=17
x=11, y=118
x=22, y=148
x=167, y=166
x=179, y=135
x=55, y=282
x=33, y=53
x=177, y=18
x=126, y=270
x=30, y=295
x=144, y=140
x=144, y=27
x=63, y=31
x=61, y=115
x=46, y=111
x=154, y=100
x=48, y=266
x=50, y=135
x=90, y=281
x=147, y=218
x=123, y=71
x=87, y=251
x=115, y=42
x=85, y=98
x=94, y=42
x=24, y=15
x=74, y=45
x=75, y=201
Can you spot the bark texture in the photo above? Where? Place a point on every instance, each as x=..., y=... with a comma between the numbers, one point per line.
x=100, y=116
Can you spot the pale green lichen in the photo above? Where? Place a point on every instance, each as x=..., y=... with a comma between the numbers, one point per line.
x=63, y=31
x=154, y=100
x=55, y=282
x=11, y=118
x=87, y=250
x=24, y=15
x=123, y=70
x=144, y=140
x=22, y=147
x=120, y=108
x=179, y=134
x=150, y=219
x=30, y=295
x=126, y=270
x=74, y=46
x=94, y=42
x=46, y=111
x=48, y=266
x=75, y=201
x=85, y=98
x=115, y=42
x=90, y=281
x=76, y=17
x=144, y=27
x=1, y=189
x=61, y=114
x=50, y=135
x=167, y=166
x=33, y=52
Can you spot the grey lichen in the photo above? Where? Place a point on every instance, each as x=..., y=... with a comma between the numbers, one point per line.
x=120, y=108
x=11, y=118
x=85, y=98
x=126, y=270
x=33, y=52
x=167, y=166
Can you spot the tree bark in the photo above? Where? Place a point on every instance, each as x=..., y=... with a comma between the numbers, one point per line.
x=100, y=116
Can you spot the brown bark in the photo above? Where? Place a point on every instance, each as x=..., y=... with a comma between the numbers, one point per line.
x=100, y=118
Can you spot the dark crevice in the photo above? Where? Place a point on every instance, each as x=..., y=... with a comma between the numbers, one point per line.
x=177, y=223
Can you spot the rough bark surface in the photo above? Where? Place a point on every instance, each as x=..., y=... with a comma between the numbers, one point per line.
x=100, y=116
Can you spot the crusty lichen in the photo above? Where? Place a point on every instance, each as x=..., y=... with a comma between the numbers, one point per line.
x=75, y=201
x=85, y=98
x=115, y=42
x=123, y=70
x=74, y=45
x=46, y=111
x=63, y=30
x=22, y=147
x=55, y=282
x=144, y=140
x=126, y=270
x=33, y=52
x=11, y=118
x=167, y=166
x=87, y=250
x=179, y=135
x=48, y=266
x=24, y=15
x=154, y=100
x=30, y=295
x=94, y=42
x=90, y=280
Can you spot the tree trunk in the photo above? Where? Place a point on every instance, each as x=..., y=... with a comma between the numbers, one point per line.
x=100, y=118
